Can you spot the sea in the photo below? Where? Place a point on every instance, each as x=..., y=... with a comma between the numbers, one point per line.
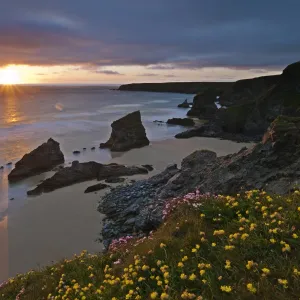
x=39, y=230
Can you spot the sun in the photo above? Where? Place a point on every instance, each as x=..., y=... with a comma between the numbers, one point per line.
x=9, y=76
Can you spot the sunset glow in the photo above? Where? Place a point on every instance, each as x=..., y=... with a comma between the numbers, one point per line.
x=9, y=76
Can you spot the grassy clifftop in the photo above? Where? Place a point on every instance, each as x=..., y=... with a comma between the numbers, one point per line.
x=176, y=87
x=221, y=247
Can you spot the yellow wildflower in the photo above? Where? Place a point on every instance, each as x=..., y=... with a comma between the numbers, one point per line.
x=226, y=288
x=251, y=288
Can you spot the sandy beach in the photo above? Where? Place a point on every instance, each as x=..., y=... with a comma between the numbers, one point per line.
x=57, y=225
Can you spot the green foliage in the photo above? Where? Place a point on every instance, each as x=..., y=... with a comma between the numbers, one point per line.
x=242, y=247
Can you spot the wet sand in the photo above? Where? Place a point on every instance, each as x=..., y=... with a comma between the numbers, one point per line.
x=49, y=227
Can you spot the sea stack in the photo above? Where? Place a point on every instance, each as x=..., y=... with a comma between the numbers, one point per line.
x=127, y=133
x=41, y=159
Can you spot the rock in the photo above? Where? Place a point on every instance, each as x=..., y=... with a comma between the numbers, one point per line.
x=257, y=102
x=127, y=133
x=182, y=122
x=93, y=148
x=204, y=105
x=148, y=167
x=211, y=129
x=83, y=148
x=11, y=199
x=96, y=187
x=9, y=164
x=42, y=159
x=1, y=167
x=184, y=104
x=79, y=172
x=131, y=208
x=157, y=121
x=115, y=180
x=272, y=165
x=76, y=152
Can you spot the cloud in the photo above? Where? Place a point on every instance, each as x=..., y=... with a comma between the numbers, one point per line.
x=108, y=72
x=148, y=74
x=170, y=76
x=173, y=34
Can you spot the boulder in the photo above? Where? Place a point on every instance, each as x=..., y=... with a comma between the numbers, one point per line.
x=148, y=167
x=96, y=187
x=128, y=208
x=76, y=152
x=42, y=159
x=182, y=122
x=79, y=172
x=184, y=104
x=127, y=133
x=204, y=105
x=93, y=148
x=115, y=180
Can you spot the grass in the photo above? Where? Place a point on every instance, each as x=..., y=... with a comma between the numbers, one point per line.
x=221, y=247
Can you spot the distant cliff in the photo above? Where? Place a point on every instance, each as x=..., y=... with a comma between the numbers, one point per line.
x=177, y=87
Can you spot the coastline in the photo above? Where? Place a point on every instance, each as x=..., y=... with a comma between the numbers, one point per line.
x=66, y=221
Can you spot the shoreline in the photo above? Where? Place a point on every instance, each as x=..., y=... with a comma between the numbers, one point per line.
x=66, y=221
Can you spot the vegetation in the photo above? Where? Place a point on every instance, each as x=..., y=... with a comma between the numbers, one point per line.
x=210, y=247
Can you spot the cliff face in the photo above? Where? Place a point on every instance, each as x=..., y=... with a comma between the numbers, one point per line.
x=246, y=90
x=176, y=87
x=253, y=109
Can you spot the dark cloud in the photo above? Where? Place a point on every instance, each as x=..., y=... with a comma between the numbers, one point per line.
x=160, y=35
x=108, y=72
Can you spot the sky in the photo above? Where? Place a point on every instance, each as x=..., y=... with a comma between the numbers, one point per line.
x=117, y=41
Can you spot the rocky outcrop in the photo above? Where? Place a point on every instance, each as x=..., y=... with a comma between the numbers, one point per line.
x=96, y=187
x=247, y=90
x=204, y=105
x=184, y=104
x=268, y=98
x=41, y=159
x=128, y=208
x=127, y=133
x=272, y=165
x=79, y=172
x=182, y=122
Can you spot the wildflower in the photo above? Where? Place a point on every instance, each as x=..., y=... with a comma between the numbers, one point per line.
x=204, y=281
x=194, y=250
x=162, y=245
x=229, y=247
x=251, y=288
x=145, y=268
x=244, y=236
x=213, y=244
x=219, y=232
x=192, y=277
x=158, y=262
x=249, y=264
x=183, y=276
x=265, y=271
x=220, y=277
x=202, y=272
x=185, y=258
x=286, y=248
x=283, y=282
x=164, y=296
x=252, y=226
x=226, y=288
x=295, y=236
x=296, y=272
x=273, y=241
x=202, y=215
x=227, y=264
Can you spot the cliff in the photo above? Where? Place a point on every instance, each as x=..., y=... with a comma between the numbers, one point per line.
x=176, y=87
